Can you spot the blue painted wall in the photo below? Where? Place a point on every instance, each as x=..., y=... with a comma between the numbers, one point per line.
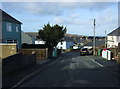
x=69, y=44
x=13, y=35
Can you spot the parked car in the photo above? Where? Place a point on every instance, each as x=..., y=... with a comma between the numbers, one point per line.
x=84, y=51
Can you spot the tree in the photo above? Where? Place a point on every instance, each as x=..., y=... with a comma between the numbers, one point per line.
x=51, y=35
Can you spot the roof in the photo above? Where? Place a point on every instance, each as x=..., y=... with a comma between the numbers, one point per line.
x=66, y=38
x=8, y=17
x=32, y=34
x=35, y=34
x=116, y=32
x=98, y=43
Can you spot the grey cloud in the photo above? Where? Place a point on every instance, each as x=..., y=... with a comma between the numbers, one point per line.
x=39, y=8
x=87, y=5
x=53, y=8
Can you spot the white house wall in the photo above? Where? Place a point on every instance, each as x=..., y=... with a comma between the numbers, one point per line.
x=65, y=44
x=39, y=42
x=113, y=41
x=62, y=45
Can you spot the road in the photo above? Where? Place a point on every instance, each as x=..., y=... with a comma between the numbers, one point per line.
x=72, y=70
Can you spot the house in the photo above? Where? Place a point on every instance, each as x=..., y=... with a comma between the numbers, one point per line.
x=98, y=43
x=11, y=29
x=67, y=42
x=26, y=39
x=33, y=35
x=35, y=40
x=113, y=38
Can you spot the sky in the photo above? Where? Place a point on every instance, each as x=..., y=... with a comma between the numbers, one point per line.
x=77, y=17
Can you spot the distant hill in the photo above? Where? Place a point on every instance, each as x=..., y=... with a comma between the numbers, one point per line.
x=79, y=36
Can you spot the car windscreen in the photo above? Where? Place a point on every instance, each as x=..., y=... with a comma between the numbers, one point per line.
x=84, y=49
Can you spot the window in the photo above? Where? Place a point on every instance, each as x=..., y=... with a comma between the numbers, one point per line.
x=9, y=41
x=12, y=41
x=9, y=27
x=16, y=28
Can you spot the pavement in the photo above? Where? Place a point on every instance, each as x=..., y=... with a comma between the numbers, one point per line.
x=13, y=79
x=111, y=65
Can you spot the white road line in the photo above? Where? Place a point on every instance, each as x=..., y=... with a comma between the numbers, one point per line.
x=55, y=61
x=43, y=62
x=106, y=68
x=97, y=63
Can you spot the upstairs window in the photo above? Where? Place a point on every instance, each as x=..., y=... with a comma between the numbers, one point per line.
x=16, y=28
x=9, y=27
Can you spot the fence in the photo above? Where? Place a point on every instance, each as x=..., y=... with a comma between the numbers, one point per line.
x=17, y=61
x=40, y=53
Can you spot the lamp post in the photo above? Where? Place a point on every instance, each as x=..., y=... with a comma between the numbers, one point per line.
x=94, y=39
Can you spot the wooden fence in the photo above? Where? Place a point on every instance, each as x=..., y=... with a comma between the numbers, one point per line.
x=40, y=53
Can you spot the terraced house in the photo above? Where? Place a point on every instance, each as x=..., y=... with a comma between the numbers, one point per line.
x=10, y=29
x=113, y=38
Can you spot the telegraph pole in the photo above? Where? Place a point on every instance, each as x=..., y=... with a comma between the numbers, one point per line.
x=105, y=40
x=94, y=40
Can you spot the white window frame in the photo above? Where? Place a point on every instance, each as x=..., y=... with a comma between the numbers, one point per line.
x=9, y=27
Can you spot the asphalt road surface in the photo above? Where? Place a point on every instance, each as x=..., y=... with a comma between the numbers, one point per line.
x=72, y=70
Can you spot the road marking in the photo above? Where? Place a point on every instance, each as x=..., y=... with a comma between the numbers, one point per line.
x=55, y=61
x=106, y=68
x=97, y=63
x=43, y=62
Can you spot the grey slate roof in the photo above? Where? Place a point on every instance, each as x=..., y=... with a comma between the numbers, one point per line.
x=32, y=34
x=6, y=17
x=66, y=38
x=116, y=32
x=98, y=43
